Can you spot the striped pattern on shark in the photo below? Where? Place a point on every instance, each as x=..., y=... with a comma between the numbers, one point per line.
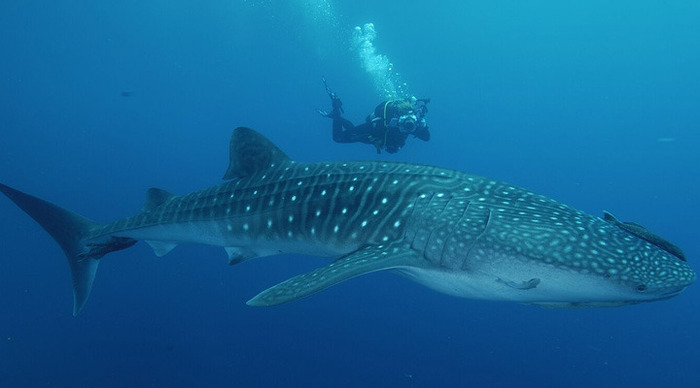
x=457, y=233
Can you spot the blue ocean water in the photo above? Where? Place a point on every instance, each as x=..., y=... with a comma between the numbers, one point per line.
x=593, y=103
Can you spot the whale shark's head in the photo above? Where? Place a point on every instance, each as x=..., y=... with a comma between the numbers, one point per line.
x=518, y=246
x=643, y=273
x=606, y=280
x=636, y=264
x=606, y=265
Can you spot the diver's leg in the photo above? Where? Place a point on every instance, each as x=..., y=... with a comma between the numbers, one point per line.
x=344, y=131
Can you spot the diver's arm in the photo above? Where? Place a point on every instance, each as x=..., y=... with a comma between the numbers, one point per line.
x=422, y=133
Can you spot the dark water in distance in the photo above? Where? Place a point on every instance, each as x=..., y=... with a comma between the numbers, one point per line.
x=593, y=103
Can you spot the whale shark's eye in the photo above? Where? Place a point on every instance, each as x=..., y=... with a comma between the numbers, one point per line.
x=641, y=288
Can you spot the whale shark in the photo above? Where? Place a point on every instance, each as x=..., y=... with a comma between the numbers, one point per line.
x=460, y=234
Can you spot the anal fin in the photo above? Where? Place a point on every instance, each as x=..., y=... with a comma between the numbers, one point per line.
x=365, y=260
x=237, y=255
x=161, y=248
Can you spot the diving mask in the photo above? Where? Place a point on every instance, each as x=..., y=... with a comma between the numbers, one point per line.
x=408, y=123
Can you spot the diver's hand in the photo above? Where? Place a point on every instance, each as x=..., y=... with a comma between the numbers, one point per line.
x=323, y=113
x=336, y=103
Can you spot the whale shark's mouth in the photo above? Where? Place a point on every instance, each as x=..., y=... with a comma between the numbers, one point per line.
x=660, y=297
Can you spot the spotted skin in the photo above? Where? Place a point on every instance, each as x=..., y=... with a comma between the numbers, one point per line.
x=450, y=220
x=457, y=233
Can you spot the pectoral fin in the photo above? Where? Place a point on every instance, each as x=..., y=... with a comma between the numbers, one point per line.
x=365, y=260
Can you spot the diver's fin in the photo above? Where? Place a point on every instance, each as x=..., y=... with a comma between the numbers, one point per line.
x=70, y=230
x=250, y=152
x=365, y=260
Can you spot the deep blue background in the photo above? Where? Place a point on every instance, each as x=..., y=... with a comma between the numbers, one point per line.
x=592, y=103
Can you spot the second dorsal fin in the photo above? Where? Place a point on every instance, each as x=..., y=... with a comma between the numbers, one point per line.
x=154, y=198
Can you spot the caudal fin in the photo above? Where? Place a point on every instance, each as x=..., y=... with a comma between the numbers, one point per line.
x=69, y=230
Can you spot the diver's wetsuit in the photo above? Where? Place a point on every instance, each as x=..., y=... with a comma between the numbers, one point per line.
x=374, y=131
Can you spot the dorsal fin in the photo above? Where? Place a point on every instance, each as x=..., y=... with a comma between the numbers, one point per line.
x=154, y=198
x=250, y=152
x=645, y=234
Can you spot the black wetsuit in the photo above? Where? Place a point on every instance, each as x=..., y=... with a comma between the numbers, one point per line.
x=374, y=131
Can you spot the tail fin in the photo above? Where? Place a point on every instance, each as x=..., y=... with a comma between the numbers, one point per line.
x=69, y=230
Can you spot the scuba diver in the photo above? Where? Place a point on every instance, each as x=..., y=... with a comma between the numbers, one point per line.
x=387, y=128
